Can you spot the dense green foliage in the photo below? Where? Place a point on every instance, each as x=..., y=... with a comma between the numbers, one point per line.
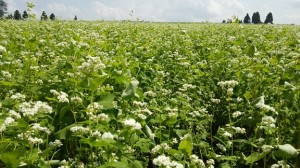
x=3, y=7
x=129, y=94
x=17, y=15
x=256, y=18
x=269, y=18
x=247, y=19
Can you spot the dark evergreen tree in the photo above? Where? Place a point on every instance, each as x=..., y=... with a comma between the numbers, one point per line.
x=75, y=18
x=247, y=19
x=269, y=18
x=25, y=15
x=52, y=16
x=17, y=15
x=256, y=18
x=3, y=8
x=44, y=16
x=224, y=21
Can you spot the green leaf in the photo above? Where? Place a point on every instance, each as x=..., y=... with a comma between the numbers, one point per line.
x=255, y=156
x=7, y=83
x=131, y=90
x=186, y=146
x=11, y=159
x=107, y=102
x=285, y=151
x=251, y=50
x=136, y=164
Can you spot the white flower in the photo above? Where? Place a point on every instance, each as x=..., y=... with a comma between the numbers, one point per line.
x=6, y=74
x=76, y=100
x=96, y=134
x=222, y=147
x=216, y=101
x=230, y=84
x=38, y=127
x=239, y=130
x=79, y=129
x=55, y=144
x=230, y=91
x=35, y=140
x=132, y=123
x=227, y=134
x=94, y=107
x=150, y=94
x=14, y=114
x=163, y=146
x=236, y=114
x=107, y=135
x=162, y=160
x=2, y=49
x=268, y=120
x=139, y=104
x=210, y=162
x=18, y=96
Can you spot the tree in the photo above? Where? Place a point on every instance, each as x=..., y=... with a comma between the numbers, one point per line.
x=256, y=18
x=25, y=15
x=52, y=16
x=17, y=15
x=75, y=18
x=44, y=16
x=269, y=18
x=224, y=21
x=247, y=19
x=3, y=8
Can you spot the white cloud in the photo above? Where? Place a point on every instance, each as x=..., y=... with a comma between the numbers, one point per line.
x=63, y=11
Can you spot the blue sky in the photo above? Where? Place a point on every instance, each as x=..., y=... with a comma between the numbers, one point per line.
x=284, y=11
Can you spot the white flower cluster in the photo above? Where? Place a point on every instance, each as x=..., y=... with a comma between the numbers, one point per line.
x=2, y=49
x=195, y=159
x=210, y=163
x=239, y=130
x=98, y=117
x=35, y=140
x=93, y=64
x=237, y=114
x=18, y=96
x=38, y=127
x=14, y=114
x=222, y=147
x=268, y=121
x=163, y=146
x=198, y=113
x=132, y=123
x=150, y=94
x=280, y=164
x=55, y=144
x=7, y=122
x=107, y=135
x=216, y=101
x=139, y=104
x=165, y=161
x=34, y=108
x=76, y=100
x=229, y=84
x=94, y=107
x=6, y=74
x=261, y=104
x=186, y=87
x=61, y=96
x=80, y=129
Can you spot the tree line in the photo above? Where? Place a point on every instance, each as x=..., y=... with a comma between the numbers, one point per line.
x=18, y=16
x=255, y=19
